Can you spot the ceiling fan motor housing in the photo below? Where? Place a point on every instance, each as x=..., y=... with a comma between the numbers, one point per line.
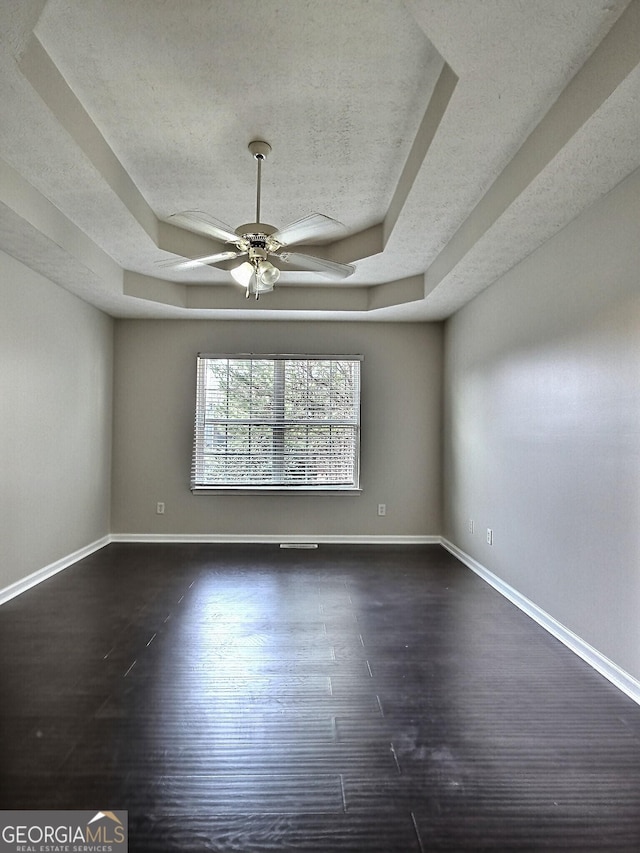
x=257, y=234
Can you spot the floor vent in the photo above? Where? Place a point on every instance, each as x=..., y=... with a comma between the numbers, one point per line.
x=303, y=545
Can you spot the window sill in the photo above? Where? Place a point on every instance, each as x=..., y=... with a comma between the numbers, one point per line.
x=274, y=490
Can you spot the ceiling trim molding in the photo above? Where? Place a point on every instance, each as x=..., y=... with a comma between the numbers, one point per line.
x=396, y=292
x=222, y=296
x=438, y=103
x=154, y=289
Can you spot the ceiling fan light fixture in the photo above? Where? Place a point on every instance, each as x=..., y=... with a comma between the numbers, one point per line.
x=267, y=274
x=242, y=273
x=262, y=287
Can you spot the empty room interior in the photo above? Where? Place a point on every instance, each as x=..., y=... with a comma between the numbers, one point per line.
x=320, y=434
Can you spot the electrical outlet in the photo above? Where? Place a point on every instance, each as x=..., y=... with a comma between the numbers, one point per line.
x=160, y=508
x=471, y=526
x=489, y=536
x=382, y=509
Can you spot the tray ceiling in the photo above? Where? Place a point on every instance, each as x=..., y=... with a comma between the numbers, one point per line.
x=450, y=138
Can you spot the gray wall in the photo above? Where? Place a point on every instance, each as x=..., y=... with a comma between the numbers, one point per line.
x=56, y=360
x=542, y=426
x=154, y=399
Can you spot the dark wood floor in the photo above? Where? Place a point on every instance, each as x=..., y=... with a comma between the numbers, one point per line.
x=248, y=698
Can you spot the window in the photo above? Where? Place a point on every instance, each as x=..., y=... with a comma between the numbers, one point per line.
x=283, y=422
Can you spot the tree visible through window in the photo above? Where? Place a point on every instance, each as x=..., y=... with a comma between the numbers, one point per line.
x=284, y=422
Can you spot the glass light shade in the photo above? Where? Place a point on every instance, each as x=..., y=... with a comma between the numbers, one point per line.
x=262, y=287
x=242, y=274
x=268, y=274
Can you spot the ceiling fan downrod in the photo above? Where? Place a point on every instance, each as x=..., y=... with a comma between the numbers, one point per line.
x=260, y=151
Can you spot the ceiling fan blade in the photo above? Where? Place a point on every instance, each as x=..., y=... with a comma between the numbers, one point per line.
x=193, y=263
x=309, y=227
x=320, y=265
x=203, y=223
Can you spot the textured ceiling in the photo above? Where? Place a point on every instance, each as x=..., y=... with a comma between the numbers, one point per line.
x=450, y=137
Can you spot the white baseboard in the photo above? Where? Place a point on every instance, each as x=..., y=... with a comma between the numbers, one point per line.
x=257, y=539
x=602, y=664
x=40, y=575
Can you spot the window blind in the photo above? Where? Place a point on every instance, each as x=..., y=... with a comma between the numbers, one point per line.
x=277, y=422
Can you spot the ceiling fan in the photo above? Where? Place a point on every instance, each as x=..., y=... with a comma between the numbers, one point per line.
x=260, y=242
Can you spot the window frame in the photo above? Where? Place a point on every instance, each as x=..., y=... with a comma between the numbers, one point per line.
x=200, y=488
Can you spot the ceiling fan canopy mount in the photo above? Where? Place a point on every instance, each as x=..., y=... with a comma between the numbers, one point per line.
x=260, y=149
x=260, y=241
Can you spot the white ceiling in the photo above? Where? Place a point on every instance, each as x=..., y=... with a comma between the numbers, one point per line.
x=451, y=137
